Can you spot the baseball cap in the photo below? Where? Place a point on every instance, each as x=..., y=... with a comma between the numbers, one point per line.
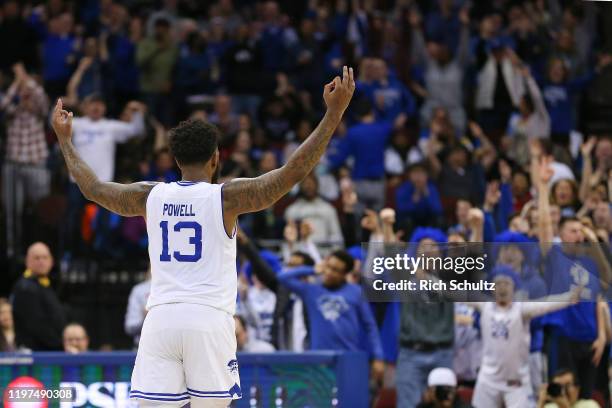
x=442, y=376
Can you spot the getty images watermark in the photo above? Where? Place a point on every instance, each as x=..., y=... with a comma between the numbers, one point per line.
x=448, y=272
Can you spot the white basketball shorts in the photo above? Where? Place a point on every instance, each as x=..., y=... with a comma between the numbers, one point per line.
x=187, y=352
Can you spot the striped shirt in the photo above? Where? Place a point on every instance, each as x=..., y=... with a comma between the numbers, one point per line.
x=26, y=109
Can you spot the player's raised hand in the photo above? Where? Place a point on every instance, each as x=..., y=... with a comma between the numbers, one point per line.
x=338, y=93
x=62, y=122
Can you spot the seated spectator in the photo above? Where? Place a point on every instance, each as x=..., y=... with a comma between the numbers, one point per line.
x=7, y=337
x=137, y=308
x=223, y=116
x=75, y=339
x=457, y=177
x=441, y=390
x=39, y=315
x=320, y=214
x=563, y=392
x=417, y=199
x=247, y=343
x=162, y=168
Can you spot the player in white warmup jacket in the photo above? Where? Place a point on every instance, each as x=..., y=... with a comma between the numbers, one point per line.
x=187, y=350
x=503, y=379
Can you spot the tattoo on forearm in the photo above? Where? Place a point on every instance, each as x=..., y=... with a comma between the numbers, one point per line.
x=248, y=195
x=123, y=199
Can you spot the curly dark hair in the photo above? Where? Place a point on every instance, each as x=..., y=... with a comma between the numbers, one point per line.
x=194, y=141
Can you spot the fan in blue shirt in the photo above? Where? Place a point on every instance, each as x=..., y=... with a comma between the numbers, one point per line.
x=337, y=311
x=365, y=142
x=418, y=199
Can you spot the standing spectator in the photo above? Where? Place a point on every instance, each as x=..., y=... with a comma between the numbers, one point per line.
x=443, y=74
x=17, y=38
x=25, y=176
x=426, y=333
x=580, y=335
x=320, y=214
x=58, y=54
x=365, y=142
x=390, y=98
x=39, y=316
x=122, y=49
x=500, y=85
x=276, y=39
x=7, y=337
x=156, y=56
x=75, y=339
x=532, y=121
x=560, y=95
x=337, y=312
x=503, y=379
x=247, y=343
x=136, y=309
x=96, y=138
x=246, y=79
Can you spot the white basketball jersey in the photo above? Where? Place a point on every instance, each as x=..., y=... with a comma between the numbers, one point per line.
x=193, y=260
x=505, y=338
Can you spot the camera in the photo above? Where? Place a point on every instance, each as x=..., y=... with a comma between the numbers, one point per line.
x=554, y=390
x=443, y=393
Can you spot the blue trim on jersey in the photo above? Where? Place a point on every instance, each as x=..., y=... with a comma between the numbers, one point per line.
x=161, y=394
x=207, y=392
x=186, y=183
x=223, y=217
x=152, y=398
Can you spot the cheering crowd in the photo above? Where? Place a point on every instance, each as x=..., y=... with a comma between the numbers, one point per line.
x=483, y=121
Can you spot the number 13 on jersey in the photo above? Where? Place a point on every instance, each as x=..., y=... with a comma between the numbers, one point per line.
x=195, y=239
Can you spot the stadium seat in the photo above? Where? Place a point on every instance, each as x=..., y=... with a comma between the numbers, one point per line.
x=386, y=398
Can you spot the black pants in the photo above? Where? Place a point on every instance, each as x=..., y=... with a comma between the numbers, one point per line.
x=577, y=355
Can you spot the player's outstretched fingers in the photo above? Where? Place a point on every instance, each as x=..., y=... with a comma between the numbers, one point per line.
x=351, y=77
x=345, y=75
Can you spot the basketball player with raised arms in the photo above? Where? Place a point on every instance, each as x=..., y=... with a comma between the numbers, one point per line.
x=187, y=350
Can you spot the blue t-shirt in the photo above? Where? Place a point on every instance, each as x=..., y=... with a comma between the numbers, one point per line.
x=561, y=103
x=425, y=209
x=337, y=317
x=397, y=98
x=562, y=273
x=366, y=143
x=56, y=50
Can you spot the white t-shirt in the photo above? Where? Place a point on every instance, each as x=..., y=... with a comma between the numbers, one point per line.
x=95, y=141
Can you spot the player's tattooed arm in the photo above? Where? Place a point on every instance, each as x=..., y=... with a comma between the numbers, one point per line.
x=254, y=194
x=124, y=199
